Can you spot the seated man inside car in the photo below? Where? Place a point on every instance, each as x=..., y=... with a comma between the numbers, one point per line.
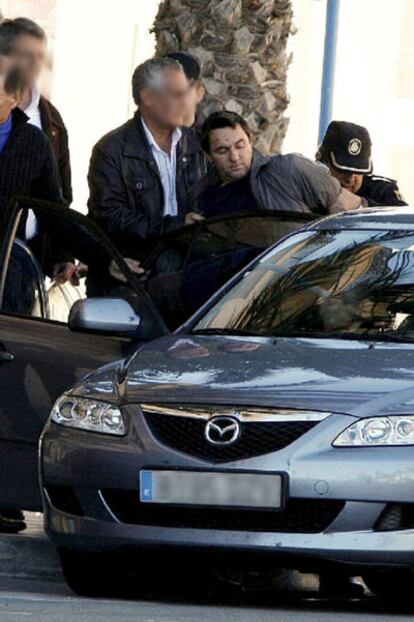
x=242, y=178
x=346, y=150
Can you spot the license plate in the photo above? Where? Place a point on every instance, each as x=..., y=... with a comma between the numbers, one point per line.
x=253, y=490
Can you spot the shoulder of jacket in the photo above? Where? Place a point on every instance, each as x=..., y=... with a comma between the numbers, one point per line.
x=54, y=114
x=387, y=180
x=190, y=140
x=36, y=134
x=115, y=137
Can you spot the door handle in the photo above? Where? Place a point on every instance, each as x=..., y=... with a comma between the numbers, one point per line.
x=6, y=357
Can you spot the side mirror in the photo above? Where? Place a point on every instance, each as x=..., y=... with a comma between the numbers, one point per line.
x=112, y=316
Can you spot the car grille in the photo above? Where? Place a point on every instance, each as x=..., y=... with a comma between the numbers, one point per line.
x=396, y=516
x=299, y=515
x=186, y=434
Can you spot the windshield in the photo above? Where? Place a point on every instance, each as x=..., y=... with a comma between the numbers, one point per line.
x=322, y=283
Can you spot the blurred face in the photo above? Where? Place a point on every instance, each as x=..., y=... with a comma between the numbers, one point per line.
x=231, y=151
x=167, y=105
x=7, y=102
x=195, y=96
x=29, y=53
x=350, y=181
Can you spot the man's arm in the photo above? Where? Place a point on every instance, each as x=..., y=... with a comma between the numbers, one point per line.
x=321, y=192
x=57, y=262
x=64, y=167
x=47, y=185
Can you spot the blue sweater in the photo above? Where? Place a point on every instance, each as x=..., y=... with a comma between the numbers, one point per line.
x=5, y=131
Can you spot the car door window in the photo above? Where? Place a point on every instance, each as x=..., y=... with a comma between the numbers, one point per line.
x=24, y=292
x=69, y=234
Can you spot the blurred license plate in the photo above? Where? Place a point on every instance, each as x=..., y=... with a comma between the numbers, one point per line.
x=255, y=490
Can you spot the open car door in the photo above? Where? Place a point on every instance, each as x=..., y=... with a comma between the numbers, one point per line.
x=192, y=263
x=40, y=355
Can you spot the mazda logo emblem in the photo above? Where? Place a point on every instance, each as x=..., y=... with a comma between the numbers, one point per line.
x=222, y=430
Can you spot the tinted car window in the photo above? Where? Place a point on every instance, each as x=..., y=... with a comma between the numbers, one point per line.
x=325, y=283
x=24, y=291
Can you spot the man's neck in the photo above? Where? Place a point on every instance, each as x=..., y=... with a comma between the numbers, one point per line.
x=162, y=135
x=26, y=99
x=4, y=115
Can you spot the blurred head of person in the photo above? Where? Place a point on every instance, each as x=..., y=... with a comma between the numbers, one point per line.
x=160, y=90
x=12, y=86
x=196, y=90
x=227, y=141
x=25, y=43
x=346, y=150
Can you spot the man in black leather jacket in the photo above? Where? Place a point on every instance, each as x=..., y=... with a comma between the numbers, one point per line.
x=141, y=172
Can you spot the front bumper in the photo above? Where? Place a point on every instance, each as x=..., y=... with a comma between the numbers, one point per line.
x=364, y=482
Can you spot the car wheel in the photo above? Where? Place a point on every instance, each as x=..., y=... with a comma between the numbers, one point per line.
x=96, y=574
x=390, y=584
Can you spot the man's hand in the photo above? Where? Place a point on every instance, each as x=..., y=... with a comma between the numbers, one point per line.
x=63, y=272
x=132, y=264
x=346, y=201
x=193, y=217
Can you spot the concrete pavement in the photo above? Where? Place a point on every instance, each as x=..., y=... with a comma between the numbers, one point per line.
x=29, y=554
x=22, y=600
x=32, y=588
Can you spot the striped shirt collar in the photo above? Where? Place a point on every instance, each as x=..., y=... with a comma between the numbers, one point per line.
x=176, y=136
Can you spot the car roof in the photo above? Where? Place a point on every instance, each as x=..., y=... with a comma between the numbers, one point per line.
x=369, y=218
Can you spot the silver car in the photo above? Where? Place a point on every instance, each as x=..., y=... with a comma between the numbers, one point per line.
x=277, y=424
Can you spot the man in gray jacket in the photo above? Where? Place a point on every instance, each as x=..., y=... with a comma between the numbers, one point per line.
x=244, y=179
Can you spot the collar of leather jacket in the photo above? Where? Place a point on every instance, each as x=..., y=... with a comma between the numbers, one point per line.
x=49, y=115
x=136, y=144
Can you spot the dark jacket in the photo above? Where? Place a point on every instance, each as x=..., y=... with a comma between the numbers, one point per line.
x=126, y=194
x=54, y=128
x=289, y=183
x=28, y=168
x=27, y=164
x=380, y=191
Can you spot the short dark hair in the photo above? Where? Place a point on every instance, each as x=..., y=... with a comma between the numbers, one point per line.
x=217, y=121
x=15, y=80
x=10, y=29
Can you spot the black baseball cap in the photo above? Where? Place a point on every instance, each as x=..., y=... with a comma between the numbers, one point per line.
x=189, y=63
x=348, y=147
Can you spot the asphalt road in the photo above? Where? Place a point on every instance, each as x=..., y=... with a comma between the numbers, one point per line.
x=50, y=602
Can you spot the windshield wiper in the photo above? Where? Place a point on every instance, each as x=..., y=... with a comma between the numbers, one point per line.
x=227, y=331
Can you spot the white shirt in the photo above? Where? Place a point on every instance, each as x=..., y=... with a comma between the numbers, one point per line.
x=32, y=109
x=33, y=113
x=167, y=168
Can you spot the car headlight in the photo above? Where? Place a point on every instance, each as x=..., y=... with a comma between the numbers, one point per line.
x=378, y=431
x=86, y=414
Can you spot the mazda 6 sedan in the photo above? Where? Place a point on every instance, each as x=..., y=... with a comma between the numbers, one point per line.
x=276, y=426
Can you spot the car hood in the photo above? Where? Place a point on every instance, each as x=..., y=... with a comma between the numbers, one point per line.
x=361, y=378
x=354, y=377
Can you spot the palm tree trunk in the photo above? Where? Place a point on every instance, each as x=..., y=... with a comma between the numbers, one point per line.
x=241, y=46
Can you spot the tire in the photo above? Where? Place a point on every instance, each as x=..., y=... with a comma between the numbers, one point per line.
x=96, y=574
x=390, y=585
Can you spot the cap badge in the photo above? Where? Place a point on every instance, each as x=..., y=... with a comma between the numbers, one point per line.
x=355, y=147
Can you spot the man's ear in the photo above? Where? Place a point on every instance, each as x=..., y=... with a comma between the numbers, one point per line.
x=145, y=97
x=201, y=91
x=208, y=156
x=16, y=100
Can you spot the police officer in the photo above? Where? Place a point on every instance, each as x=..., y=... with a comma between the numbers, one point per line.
x=346, y=150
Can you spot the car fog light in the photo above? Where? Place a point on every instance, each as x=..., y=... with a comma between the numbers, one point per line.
x=378, y=431
x=86, y=414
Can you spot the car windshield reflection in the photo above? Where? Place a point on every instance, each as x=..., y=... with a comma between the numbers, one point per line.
x=347, y=284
